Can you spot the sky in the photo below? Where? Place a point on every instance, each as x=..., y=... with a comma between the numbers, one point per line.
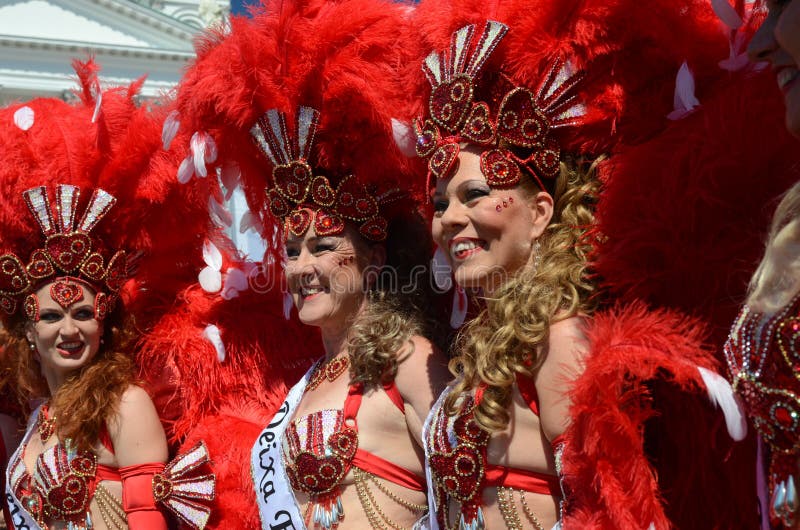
x=238, y=6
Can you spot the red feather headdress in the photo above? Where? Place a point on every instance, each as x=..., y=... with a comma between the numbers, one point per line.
x=528, y=80
x=317, y=83
x=108, y=148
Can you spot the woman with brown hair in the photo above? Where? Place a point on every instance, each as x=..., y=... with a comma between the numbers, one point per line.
x=302, y=99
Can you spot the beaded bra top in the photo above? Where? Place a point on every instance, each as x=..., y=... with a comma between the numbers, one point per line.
x=318, y=451
x=457, y=446
x=763, y=357
x=60, y=488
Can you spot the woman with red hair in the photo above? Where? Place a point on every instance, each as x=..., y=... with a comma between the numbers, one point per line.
x=94, y=451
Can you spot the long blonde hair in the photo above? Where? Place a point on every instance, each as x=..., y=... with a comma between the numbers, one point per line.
x=777, y=279
x=510, y=335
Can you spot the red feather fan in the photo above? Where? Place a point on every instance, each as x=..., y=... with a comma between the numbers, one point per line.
x=645, y=444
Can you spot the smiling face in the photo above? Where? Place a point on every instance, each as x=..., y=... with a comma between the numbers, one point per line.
x=65, y=339
x=487, y=234
x=777, y=41
x=325, y=276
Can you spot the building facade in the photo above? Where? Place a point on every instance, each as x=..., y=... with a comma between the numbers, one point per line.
x=129, y=39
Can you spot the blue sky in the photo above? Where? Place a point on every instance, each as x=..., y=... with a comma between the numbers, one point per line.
x=237, y=6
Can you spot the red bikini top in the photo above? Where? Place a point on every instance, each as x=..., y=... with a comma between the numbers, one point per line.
x=461, y=470
x=335, y=432
x=62, y=484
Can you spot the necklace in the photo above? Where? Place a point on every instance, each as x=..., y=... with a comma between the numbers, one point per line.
x=45, y=424
x=330, y=371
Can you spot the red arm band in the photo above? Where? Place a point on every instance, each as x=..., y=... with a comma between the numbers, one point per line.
x=137, y=497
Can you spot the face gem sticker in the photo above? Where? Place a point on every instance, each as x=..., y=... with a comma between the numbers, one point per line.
x=66, y=293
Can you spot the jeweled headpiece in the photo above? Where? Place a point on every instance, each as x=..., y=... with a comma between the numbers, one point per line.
x=69, y=258
x=763, y=356
x=512, y=122
x=298, y=197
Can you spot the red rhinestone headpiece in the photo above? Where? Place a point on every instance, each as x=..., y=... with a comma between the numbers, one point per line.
x=70, y=255
x=299, y=198
x=509, y=116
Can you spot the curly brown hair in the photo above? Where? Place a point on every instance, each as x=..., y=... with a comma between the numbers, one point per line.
x=400, y=305
x=510, y=336
x=89, y=397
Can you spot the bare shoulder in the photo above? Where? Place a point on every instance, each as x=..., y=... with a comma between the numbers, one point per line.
x=420, y=357
x=563, y=364
x=568, y=343
x=422, y=367
x=137, y=433
x=135, y=397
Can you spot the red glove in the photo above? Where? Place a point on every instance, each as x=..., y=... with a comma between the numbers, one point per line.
x=137, y=497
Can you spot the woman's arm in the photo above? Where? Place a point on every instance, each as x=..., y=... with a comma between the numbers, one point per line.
x=140, y=446
x=421, y=376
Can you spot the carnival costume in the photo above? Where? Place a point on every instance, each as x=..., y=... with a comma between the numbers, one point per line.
x=529, y=84
x=302, y=99
x=83, y=188
x=692, y=245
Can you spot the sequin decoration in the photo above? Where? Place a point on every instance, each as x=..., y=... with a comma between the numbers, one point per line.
x=67, y=251
x=45, y=424
x=101, y=306
x=329, y=371
x=458, y=463
x=318, y=450
x=500, y=169
x=184, y=490
x=66, y=202
x=763, y=362
x=39, y=205
x=99, y=205
x=524, y=118
x=66, y=292
x=40, y=266
x=63, y=483
x=14, y=280
x=32, y=307
x=301, y=199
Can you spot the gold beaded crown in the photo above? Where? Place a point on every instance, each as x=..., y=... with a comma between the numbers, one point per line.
x=487, y=109
x=70, y=255
x=299, y=198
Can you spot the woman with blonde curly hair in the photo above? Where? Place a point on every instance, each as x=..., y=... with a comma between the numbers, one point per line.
x=761, y=353
x=545, y=424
